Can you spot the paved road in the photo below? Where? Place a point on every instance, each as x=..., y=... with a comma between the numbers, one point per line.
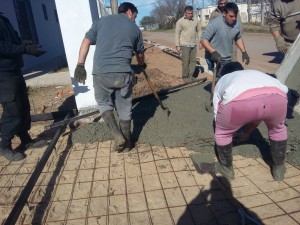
x=260, y=47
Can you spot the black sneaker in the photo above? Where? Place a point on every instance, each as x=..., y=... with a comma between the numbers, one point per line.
x=11, y=155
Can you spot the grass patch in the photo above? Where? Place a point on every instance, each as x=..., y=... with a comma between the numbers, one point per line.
x=247, y=28
x=255, y=28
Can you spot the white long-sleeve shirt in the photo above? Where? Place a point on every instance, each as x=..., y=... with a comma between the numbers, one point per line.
x=232, y=85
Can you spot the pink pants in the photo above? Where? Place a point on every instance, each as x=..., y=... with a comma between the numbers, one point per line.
x=270, y=108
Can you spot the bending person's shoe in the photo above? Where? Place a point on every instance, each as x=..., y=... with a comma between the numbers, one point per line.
x=111, y=122
x=11, y=155
x=278, y=150
x=125, y=126
x=225, y=159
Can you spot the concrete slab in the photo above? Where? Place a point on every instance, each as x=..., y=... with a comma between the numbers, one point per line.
x=149, y=185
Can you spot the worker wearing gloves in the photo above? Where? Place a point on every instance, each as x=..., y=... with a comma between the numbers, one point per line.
x=219, y=35
x=16, y=120
x=242, y=99
x=284, y=23
x=116, y=37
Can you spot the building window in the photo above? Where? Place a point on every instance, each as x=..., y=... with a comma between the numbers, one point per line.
x=25, y=20
x=45, y=12
x=206, y=17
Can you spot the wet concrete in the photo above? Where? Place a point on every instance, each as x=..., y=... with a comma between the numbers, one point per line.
x=190, y=126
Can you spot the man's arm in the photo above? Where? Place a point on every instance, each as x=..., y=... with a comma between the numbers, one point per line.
x=80, y=72
x=205, y=43
x=199, y=33
x=275, y=28
x=177, y=35
x=274, y=21
x=240, y=44
x=83, y=51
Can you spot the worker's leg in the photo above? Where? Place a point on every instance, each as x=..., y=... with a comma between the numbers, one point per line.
x=104, y=87
x=123, y=103
x=229, y=119
x=193, y=61
x=11, y=118
x=185, y=58
x=275, y=111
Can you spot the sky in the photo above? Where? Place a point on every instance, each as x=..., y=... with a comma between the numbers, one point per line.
x=145, y=6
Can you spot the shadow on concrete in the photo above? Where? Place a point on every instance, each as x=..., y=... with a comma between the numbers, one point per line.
x=79, y=89
x=40, y=211
x=53, y=65
x=262, y=144
x=278, y=57
x=142, y=111
x=217, y=205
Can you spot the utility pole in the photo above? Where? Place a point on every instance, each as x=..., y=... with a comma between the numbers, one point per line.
x=262, y=16
x=249, y=3
x=114, y=6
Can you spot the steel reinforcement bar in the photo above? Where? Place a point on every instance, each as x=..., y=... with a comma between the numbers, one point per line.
x=18, y=207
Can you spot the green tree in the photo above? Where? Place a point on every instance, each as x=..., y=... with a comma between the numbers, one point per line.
x=147, y=21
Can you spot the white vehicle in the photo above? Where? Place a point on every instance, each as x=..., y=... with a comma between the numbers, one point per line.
x=142, y=28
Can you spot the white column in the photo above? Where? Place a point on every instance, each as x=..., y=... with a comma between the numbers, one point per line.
x=75, y=19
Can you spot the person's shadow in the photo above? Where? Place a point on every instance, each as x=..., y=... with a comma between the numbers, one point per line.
x=262, y=144
x=217, y=205
x=278, y=57
x=143, y=109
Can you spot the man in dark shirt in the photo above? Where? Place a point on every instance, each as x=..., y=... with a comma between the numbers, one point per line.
x=116, y=37
x=13, y=92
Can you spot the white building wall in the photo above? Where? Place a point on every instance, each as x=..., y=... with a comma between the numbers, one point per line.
x=75, y=20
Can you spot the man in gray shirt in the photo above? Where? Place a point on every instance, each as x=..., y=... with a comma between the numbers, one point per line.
x=220, y=34
x=116, y=37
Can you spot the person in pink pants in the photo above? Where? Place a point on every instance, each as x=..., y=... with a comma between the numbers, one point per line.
x=242, y=99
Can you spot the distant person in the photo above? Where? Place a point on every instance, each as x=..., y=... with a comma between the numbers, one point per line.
x=187, y=33
x=219, y=35
x=242, y=99
x=15, y=118
x=284, y=23
x=219, y=12
x=116, y=37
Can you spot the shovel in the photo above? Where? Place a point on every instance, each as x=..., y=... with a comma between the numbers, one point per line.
x=155, y=93
x=204, y=163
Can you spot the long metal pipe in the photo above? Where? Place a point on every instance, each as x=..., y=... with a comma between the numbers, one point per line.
x=18, y=207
